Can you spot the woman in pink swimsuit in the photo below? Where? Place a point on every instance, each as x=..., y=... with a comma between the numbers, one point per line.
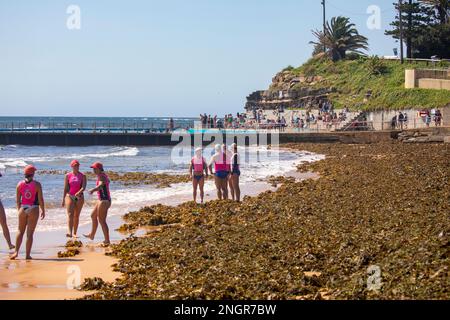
x=5, y=225
x=100, y=211
x=198, y=171
x=73, y=198
x=29, y=198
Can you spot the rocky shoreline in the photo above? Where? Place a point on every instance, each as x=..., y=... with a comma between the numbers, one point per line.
x=384, y=205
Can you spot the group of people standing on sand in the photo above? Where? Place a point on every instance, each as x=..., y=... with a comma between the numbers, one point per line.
x=226, y=164
x=30, y=205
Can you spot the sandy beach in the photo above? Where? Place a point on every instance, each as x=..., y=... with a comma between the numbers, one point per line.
x=45, y=278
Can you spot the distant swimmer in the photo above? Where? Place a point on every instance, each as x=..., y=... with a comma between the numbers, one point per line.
x=221, y=171
x=73, y=198
x=5, y=225
x=29, y=198
x=103, y=204
x=198, y=171
x=235, y=174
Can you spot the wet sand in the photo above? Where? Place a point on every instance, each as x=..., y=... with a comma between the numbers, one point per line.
x=45, y=278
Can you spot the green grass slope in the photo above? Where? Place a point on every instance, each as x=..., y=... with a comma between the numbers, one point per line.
x=384, y=79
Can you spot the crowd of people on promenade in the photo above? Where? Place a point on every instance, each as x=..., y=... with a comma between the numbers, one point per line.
x=259, y=118
x=227, y=122
x=224, y=165
x=400, y=121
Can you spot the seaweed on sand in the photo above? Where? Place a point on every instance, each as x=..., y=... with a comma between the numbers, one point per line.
x=383, y=205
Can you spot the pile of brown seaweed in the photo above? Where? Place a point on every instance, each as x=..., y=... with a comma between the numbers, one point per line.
x=160, y=180
x=91, y=284
x=72, y=249
x=384, y=205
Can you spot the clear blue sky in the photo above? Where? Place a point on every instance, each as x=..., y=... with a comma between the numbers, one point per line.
x=158, y=58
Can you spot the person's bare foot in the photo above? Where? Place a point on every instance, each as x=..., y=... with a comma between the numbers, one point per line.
x=11, y=246
x=88, y=236
x=75, y=236
x=68, y=235
x=29, y=258
x=105, y=244
x=14, y=256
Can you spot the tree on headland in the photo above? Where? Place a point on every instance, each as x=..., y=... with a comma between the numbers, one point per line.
x=441, y=9
x=340, y=37
x=416, y=17
x=426, y=28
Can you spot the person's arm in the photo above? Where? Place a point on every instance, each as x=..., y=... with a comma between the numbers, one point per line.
x=100, y=185
x=190, y=170
x=41, y=200
x=205, y=168
x=18, y=197
x=66, y=190
x=83, y=186
x=211, y=164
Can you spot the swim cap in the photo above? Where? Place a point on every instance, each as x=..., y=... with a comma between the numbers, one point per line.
x=97, y=165
x=30, y=170
x=74, y=163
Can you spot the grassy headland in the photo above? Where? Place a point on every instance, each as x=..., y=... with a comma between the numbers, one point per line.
x=383, y=79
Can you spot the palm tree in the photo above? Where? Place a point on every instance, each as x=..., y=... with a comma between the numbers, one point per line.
x=442, y=7
x=340, y=37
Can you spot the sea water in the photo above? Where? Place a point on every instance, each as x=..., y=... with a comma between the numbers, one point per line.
x=13, y=158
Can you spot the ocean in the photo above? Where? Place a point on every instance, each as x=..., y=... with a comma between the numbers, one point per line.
x=256, y=166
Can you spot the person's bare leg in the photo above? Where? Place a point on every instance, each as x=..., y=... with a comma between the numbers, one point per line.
x=70, y=208
x=23, y=219
x=194, y=186
x=225, y=188
x=4, y=225
x=218, y=187
x=102, y=214
x=237, y=188
x=76, y=218
x=202, y=189
x=230, y=184
x=94, y=217
x=33, y=218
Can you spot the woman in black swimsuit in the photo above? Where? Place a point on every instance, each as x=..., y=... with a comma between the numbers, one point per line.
x=233, y=180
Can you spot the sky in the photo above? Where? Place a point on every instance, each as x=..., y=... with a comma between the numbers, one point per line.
x=146, y=58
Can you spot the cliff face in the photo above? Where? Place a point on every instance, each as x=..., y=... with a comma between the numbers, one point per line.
x=289, y=90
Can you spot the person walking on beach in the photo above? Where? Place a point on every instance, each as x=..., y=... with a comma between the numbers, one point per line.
x=235, y=174
x=73, y=198
x=100, y=211
x=4, y=225
x=198, y=171
x=29, y=198
x=221, y=172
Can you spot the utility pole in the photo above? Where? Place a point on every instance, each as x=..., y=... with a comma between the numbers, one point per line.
x=400, y=5
x=324, y=21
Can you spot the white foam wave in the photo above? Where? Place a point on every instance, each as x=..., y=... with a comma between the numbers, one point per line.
x=24, y=161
